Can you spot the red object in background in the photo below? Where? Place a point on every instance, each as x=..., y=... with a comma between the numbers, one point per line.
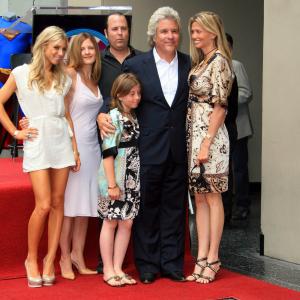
x=9, y=109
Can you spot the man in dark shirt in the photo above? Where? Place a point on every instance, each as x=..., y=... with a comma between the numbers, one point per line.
x=114, y=55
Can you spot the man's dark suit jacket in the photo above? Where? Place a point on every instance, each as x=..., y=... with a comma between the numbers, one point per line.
x=162, y=128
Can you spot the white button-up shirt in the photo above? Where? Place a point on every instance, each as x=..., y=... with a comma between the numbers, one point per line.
x=168, y=76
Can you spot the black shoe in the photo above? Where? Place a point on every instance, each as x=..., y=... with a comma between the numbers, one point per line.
x=175, y=276
x=240, y=213
x=147, y=277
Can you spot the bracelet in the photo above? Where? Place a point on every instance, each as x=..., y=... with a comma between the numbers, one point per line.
x=208, y=136
x=112, y=187
x=16, y=133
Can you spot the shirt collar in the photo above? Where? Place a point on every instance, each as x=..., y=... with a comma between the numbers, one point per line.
x=108, y=53
x=157, y=57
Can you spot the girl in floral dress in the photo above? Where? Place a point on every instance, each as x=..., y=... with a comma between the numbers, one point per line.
x=119, y=183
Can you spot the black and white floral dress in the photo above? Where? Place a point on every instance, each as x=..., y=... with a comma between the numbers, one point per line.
x=123, y=146
x=210, y=84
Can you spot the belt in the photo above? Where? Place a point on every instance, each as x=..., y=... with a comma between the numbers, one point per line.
x=63, y=118
x=194, y=98
x=132, y=143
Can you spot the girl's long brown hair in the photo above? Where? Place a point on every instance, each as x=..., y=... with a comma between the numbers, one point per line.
x=122, y=87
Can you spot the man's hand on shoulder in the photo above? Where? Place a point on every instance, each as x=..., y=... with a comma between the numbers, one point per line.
x=105, y=124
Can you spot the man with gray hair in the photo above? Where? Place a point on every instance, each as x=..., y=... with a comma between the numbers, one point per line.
x=159, y=229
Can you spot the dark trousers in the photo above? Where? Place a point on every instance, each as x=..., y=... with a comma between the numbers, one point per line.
x=240, y=171
x=159, y=228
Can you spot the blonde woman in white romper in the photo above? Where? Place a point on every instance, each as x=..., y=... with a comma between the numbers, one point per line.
x=81, y=197
x=49, y=146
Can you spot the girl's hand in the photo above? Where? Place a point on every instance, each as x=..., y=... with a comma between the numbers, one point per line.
x=114, y=193
x=26, y=134
x=76, y=168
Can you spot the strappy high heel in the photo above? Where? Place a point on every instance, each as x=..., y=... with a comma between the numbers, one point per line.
x=194, y=275
x=210, y=266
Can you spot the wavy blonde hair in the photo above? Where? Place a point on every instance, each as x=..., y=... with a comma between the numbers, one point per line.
x=122, y=87
x=37, y=66
x=75, y=58
x=211, y=22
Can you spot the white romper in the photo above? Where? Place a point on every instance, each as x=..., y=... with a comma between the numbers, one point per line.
x=45, y=111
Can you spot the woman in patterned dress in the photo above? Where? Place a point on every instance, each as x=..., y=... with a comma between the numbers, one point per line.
x=210, y=82
x=119, y=183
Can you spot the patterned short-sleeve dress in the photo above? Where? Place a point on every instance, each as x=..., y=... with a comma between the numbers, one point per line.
x=123, y=146
x=210, y=84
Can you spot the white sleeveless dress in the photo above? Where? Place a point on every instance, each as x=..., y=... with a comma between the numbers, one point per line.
x=82, y=189
x=45, y=111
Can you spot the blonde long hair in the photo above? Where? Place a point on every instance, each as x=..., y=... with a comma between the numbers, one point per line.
x=212, y=23
x=74, y=55
x=37, y=67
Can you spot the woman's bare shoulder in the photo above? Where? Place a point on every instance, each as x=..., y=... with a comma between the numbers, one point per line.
x=71, y=72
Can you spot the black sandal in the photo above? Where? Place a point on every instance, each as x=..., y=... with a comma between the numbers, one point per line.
x=209, y=265
x=198, y=275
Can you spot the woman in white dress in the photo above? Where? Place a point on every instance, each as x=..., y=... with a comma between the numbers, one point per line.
x=82, y=188
x=49, y=146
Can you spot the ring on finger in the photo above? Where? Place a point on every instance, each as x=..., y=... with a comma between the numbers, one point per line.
x=29, y=135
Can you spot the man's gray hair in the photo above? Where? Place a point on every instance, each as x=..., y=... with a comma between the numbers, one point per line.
x=161, y=13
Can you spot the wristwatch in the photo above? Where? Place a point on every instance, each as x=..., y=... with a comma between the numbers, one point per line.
x=208, y=136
